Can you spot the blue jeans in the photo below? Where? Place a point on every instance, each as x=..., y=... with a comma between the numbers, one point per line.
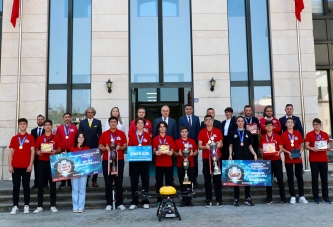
x=79, y=192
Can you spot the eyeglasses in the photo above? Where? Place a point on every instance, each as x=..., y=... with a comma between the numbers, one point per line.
x=208, y=119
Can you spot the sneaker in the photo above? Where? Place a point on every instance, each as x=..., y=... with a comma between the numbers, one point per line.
x=269, y=201
x=275, y=179
x=62, y=185
x=69, y=185
x=80, y=211
x=248, y=202
x=132, y=207
x=303, y=200
x=219, y=204
x=33, y=187
x=208, y=204
x=38, y=210
x=316, y=200
x=292, y=200
x=121, y=207
x=236, y=203
x=53, y=209
x=15, y=210
x=284, y=200
x=108, y=207
x=327, y=200
x=74, y=211
x=26, y=209
x=145, y=206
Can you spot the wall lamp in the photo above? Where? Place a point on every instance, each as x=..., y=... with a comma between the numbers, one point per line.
x=109, y=85
x=212, y=84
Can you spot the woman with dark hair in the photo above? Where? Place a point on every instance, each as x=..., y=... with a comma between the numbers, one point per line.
x=79, y=184
x=269, y=116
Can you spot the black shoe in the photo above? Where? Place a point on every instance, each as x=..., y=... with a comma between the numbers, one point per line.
x=208, y=204
x=182, y=204
x=47, y=186
x=62, y=185
x=269, y=201
x=87, y=184
x=195, y=183
x=190, y=204
x=284, y=200
x=33, y=187
x=236, y=203
x=248, y=202
x=69, y=185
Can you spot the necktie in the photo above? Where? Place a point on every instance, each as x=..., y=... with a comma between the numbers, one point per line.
x=89, y=120
x=189, y=121
x=39, y=131
x=164, y=119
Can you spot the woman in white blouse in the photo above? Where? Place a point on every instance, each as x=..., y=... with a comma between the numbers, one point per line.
x=116, y=113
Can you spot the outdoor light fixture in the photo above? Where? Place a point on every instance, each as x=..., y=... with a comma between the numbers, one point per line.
x=109, y=85
x=212, y=84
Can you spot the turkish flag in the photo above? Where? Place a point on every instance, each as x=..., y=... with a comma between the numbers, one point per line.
x=299, y=6
x=15, y=12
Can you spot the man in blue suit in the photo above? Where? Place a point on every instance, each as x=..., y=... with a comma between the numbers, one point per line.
x=192, y=122
x=172, y=125
x=228, y=126
x=92, y=129
x=289, y=114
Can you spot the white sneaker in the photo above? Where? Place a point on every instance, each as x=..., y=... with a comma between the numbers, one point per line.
x=108, y=207
x=145, y=206
x=292, y=200
x=15, y=210
x=275, y=179
x=132, y=207
x=332, y=175
x=26, y=209
x=53, y=209
x=38, y=210
x=303, y=200
x=121, y=207
x=74, y=211
x=80, y=211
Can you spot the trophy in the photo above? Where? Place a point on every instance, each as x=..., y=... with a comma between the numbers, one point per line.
x=186, y=164
x=113, y=159
x=214, y=155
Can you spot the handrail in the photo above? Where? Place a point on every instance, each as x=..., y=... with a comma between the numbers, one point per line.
x=2, y=160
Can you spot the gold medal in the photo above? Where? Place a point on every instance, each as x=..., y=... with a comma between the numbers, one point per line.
x=66, y=137
x=292, y=145
x=242, y=144
x=21, y=147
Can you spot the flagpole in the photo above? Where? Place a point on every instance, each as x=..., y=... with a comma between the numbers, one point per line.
x=18, y=98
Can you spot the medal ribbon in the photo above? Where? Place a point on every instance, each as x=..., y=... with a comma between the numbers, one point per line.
x=164, y=142
x=113, y=137
x=47, y=139
x=318, y=137
x=247, y=121
x=271, y=139
x=291, y=138
x=66, y=129
x=21, y=141
x=140, y=138
x=209, y=136
x=241, y=137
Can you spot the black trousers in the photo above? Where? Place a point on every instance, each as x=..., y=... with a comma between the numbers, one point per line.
x=196, y=168
x=322, y=169
x=181, y=175
x=277, y=171
x=225, y=148
x=44, y=174
x=247, y=192
x=208, y=182
x=94, y=178
x=139, y=169
x=299, y=176
x=160, y=173
x=108, y=179
x=21, y=173
x=36, y=171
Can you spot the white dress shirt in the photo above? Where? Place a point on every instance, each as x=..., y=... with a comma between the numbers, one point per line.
x=226, y=127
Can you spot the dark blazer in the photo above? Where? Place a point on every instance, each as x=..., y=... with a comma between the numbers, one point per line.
x=298, y=125
x=193, y=130
x=232, y=126
x=34, y=133
x=172, y=128
x=92, y=133
x=216, y=124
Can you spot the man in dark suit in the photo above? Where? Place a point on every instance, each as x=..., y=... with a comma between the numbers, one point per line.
x=289, y=114
x=228, y=126
x=252, y=125
x=92, y=129
x=172, y=125
x=193, y=124
x=216, y=123
x=39, y=130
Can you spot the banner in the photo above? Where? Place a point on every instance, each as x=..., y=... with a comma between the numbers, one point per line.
x=139, y=153
x=75, y=164
x=246, y=173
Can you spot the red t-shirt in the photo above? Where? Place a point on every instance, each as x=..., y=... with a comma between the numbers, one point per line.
x=275, y=138
x=319, y=156
x=205, y=135
x=22, y=157
x=276, y=123
x=66, y=144
x=120, y=139
x=133, y=140
x=287, y=145
x=147, y=127
x=47, y=139
x=76, y=149
x=163, y=160
x=179, y=144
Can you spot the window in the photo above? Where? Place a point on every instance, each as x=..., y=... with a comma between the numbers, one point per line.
x=250, y=68
x=69, y=62
x=317, y=6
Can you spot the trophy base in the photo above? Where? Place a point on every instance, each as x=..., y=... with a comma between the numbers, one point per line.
x=187, y=182
x=217, y=173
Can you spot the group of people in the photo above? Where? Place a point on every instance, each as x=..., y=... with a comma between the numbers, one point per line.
x=240, y=138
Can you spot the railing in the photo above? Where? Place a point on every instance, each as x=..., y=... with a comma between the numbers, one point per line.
x=2, y=160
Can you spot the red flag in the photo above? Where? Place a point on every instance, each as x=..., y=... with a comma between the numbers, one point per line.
x=15, y=12
x=299, y=6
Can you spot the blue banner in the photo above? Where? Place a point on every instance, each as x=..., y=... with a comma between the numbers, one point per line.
x=75, y=164
x=139, y=153
x=246, y=173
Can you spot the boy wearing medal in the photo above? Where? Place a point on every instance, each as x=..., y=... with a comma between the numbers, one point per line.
x=292, y=143
x=206, y=136
x=240, y=148
x=276, y=162
x=20, y=160
x=163, y=148
x=317, y=142
x=118, y=138
x=139, y=138
x=44, y=169
x=191, y=146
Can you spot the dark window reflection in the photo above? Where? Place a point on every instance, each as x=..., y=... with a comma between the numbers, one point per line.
x=57, y=105
x=321, y=54
x=330, y=6
x=169, y=94
x=239, y=98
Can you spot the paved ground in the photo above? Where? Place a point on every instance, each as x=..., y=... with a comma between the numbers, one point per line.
x=259, y=215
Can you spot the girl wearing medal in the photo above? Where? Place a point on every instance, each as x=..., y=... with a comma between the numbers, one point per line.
x=163, y=148
x=293, y=142
x=240, y=148
x=139, y=138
